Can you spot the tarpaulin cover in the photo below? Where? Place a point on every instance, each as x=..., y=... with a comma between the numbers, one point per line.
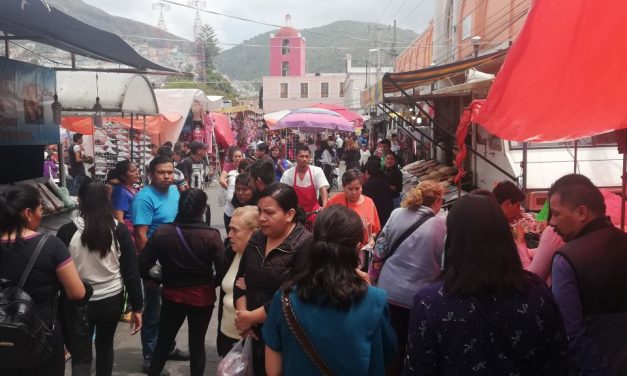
x=155, y=124
x=35, y=20
x=224, y=135
x=565, y=76
x=353, y=117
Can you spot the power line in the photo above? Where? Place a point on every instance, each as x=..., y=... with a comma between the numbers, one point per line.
x=412, y=11
x=274, y=25
x=384, y=10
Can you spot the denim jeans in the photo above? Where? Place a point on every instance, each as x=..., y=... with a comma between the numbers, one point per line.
x=76, y=183
x=150, y=325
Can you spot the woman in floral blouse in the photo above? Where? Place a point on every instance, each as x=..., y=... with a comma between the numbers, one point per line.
x=484, y=315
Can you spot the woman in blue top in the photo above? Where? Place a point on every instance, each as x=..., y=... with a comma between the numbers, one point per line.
x=346, y=320
x=123, y=193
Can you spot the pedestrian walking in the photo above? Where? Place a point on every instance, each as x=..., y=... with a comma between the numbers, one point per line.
x=269, y=258
x=338, y=316
x=53, y=269
x=104, y=253
x=188, y=250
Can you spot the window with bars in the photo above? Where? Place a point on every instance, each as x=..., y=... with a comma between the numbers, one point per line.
x=284, y=88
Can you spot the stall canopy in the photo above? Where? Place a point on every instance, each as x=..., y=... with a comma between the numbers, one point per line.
x=561, y=82
x=223, y=132
x=391, y=82
x=118, y=92
x=174, y=106
x=37, y=21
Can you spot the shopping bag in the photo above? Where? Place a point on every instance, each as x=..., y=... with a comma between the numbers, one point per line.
x=238, y=361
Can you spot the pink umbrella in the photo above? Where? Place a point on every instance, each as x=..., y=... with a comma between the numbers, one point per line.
x=313, y=119
x=353, y=117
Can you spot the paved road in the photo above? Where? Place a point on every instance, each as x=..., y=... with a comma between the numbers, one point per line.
x=128, y=354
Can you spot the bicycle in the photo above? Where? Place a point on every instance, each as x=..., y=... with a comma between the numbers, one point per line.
x=310, y=219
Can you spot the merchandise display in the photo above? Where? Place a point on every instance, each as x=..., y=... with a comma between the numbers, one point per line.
x=114, y=143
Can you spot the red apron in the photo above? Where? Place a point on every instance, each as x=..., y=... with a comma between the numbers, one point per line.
x=307, y=196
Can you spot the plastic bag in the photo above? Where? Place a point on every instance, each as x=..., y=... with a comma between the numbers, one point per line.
x=239, y=361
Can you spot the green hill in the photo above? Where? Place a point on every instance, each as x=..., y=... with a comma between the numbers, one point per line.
x=326, y=52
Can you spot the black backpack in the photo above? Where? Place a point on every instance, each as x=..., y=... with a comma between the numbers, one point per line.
x=24, y=337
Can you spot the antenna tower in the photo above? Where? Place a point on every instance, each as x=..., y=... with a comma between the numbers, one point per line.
x=163, y=7
x=197, y=21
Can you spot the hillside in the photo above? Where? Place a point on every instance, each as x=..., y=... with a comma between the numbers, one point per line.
x=326, y=52
x=118, y=25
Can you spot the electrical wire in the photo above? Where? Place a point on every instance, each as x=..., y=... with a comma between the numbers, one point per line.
x=274, y=25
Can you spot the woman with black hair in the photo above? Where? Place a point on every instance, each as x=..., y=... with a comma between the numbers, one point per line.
x=104, y=253
x=377, y=187
x=20, y=216
x=345, y=320
x=395, y=177
x=188, y=250
x=269, y=258
x=243, y=195
x=484, y=314
x=122, y=195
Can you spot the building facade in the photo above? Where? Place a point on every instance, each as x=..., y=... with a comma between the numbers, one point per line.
x=293, y=92
x=287, y=53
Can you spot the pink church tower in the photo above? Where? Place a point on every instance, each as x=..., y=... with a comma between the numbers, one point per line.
x=287, y=52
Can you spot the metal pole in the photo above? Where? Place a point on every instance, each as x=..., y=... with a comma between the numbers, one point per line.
x=575, y=157
x=131, y=137
x=622, y=206
x=523, y=166
x=470, y=148
x=61, y=165
x=6, y=45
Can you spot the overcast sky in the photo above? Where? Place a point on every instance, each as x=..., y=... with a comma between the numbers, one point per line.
x=410, y=14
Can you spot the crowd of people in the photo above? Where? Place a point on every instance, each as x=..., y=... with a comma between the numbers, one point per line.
x=353, y=282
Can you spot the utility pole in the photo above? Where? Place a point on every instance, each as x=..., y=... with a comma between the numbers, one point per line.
x=393, y=52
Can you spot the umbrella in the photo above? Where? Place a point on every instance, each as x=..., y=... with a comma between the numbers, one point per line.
x=273, y=117
x=312, y=119
x=353, y=117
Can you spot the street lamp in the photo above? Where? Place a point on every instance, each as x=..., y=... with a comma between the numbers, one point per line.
x=476, y=42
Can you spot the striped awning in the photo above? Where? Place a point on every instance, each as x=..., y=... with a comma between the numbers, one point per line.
x=391, y=82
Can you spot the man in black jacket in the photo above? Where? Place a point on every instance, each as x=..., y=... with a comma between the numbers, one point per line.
x=589, y=281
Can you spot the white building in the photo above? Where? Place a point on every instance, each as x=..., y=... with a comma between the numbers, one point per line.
x=293, y=92
x=357, y=79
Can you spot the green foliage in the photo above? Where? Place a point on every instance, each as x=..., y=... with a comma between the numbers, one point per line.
x=210, y=45
x=251, y=63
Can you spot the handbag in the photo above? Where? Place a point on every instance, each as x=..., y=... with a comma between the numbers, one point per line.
x=301, y=337
x=187, y=247
x=25, y=339
x=378, y=260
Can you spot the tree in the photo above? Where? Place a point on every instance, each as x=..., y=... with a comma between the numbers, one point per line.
x=207, y=38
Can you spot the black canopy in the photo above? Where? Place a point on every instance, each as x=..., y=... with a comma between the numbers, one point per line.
x=35, y=20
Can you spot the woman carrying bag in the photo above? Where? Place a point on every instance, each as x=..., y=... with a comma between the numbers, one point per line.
x=53, y=269
x=272, y=253
x=244, y=223
x=188, y=250
x=104, y=253
x=327, y=311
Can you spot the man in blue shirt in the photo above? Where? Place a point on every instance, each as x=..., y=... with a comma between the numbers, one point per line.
x=154, y=205
x=589, y=282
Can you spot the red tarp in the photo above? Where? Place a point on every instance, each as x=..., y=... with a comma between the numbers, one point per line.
x=565, y=77
x=224, y=135
x=353, y=117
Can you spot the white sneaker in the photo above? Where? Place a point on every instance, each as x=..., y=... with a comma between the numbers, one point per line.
x=120, y=137
x=123, y=143
x=123, y=154
x=109, y=144
x=100, y=160
x=121, y=158
x=122, y=148
x=98, y=149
